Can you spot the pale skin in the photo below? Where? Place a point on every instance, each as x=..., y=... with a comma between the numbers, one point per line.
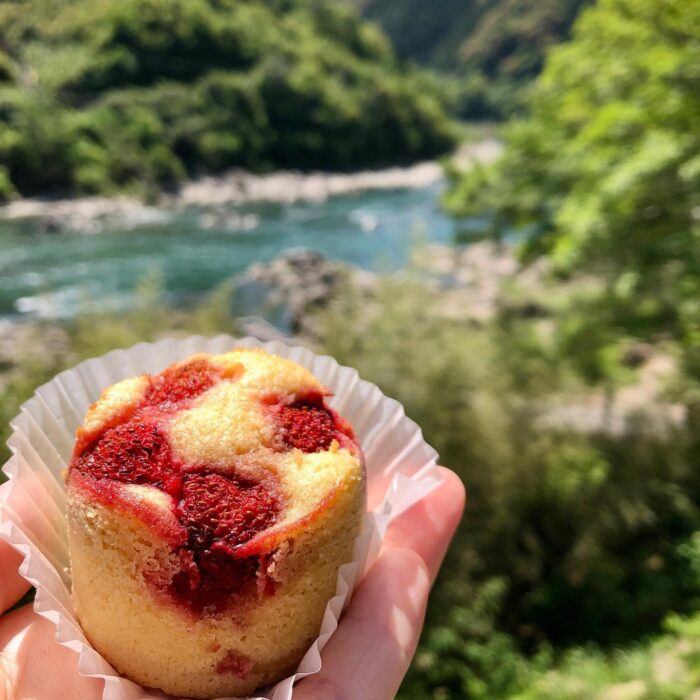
x=367, y=657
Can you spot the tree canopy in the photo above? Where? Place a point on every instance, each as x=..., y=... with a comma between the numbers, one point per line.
x=138, y=94
x=604, y=174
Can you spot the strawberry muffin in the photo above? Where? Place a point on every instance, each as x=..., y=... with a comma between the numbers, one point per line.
x=209, y=509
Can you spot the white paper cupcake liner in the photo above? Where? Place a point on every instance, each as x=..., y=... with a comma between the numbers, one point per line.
x=401, y=469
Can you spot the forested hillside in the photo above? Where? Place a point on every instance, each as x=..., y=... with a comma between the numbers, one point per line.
x=494, y=48
x=139, y=94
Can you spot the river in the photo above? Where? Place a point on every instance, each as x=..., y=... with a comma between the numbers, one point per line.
x=194, y=249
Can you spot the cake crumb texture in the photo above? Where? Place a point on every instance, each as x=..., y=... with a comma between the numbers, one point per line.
x=209, y=510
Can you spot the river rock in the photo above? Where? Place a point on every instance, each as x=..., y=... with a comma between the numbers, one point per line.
x=303, y=280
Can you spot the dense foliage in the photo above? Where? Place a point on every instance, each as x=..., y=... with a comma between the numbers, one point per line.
x=570, y=537
x=138, y=94
x=493, y=49
x=604, y=174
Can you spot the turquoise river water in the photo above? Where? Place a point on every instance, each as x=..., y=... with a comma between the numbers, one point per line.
x=56, y=275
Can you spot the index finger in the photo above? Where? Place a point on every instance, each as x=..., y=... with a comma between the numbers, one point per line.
x=369, y=653
x=428, y=526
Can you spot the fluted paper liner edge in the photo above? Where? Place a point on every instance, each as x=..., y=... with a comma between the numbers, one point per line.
x=400, y=465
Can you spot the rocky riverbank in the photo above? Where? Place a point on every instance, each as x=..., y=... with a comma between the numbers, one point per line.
x=94, y=214
x=470, y=280
x=287, y=187
x=472, y=284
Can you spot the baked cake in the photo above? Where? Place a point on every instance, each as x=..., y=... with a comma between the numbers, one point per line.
x=209, y=509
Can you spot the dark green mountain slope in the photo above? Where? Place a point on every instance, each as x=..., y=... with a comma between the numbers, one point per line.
x=494, y=47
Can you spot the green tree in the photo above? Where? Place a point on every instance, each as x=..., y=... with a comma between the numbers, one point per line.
x=569, y=537
x=603, y=175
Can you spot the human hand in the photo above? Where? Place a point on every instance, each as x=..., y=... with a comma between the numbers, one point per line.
x=33, y=666
x=366, y=658
x=372, y=648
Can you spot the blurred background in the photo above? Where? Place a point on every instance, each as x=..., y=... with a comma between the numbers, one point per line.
x=490, y=207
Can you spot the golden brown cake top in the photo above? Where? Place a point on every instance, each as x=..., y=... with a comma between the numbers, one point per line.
x=224, y=456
